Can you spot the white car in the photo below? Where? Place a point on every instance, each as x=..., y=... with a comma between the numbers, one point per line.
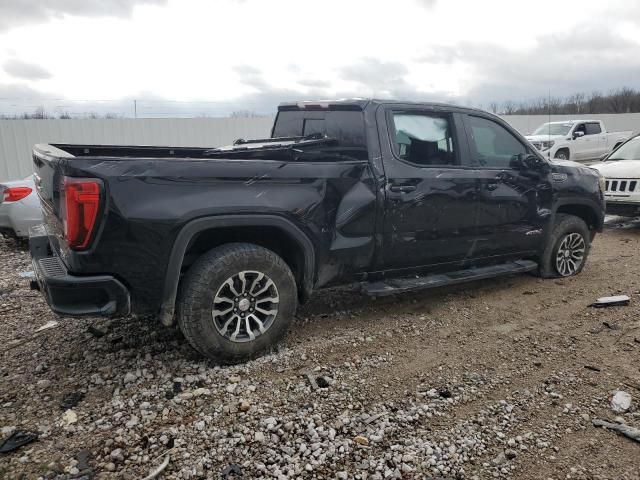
x=19, y=207
x=621, y=170
x=577, y=140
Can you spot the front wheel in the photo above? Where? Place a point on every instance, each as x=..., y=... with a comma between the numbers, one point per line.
x=237, y=301
x=562, y=155
x=567, y=248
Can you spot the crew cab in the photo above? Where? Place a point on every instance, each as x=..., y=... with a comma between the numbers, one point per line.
x=578, y=140
x=389, y=196
x=621, y=170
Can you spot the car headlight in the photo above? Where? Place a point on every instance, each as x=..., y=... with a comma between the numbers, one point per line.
x=546, y=145
x=602, y=183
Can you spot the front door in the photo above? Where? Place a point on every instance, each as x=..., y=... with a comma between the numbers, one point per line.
x=514, y=200
x=429, y=195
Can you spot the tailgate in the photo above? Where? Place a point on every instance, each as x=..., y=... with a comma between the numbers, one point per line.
x=48, y=178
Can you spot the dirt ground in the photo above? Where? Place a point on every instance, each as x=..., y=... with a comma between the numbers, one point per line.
x=484, y=380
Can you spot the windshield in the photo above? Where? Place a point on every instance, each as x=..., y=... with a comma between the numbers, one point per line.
x=628, y=151
x=553, y=129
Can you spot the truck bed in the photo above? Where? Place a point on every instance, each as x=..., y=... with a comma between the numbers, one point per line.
x=131, y=151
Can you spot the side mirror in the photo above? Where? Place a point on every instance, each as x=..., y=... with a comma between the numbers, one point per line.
x=528, y=161
x=578, y=135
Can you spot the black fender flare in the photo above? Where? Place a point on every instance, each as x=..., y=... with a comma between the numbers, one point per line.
x=172, y=276
x=585, y=202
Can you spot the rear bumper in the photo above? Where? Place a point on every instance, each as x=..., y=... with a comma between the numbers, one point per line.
x=74, y=295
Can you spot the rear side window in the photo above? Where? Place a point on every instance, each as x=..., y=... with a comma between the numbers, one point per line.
x=593, y=128
x=491, y=144
x=345, y=126
x=424, y=139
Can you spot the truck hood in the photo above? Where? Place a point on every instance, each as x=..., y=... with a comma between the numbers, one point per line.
x=619, y=168
x=543, y=138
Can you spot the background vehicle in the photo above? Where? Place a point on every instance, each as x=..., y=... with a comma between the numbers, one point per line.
x=578, y=140
x=397, y=196
x=19, y=207
x=621, y=169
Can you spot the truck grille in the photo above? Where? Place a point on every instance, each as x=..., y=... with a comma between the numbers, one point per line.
x=537, y=145
x=620, y=186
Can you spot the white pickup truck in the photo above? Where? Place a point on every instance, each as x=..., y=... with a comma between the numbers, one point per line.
x=578, y=140
x=621, y=172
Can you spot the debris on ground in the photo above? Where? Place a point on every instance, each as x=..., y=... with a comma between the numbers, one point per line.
x=83, y=460
x=16, y=440
x=96, y=332
x=614, y=301
x=157, y=471
x=70, y=400
x=69, y=417
x=621, y=401
x=317, y=382
x=592, y=368
x=232, y=470
x=27, y=274
x=626, y=430
x=47, y=326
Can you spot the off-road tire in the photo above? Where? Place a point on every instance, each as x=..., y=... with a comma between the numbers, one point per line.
x=201, y=284
x=565, y=225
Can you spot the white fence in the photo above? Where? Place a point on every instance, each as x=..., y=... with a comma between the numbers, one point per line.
x=17, y=137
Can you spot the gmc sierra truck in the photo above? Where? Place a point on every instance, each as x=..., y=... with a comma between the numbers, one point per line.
x=578, y=140
x=388, y=196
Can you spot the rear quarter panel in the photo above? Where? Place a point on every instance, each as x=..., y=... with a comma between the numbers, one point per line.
x=149, y=201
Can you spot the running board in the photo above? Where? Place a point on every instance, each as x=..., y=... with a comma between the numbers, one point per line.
x=400, y=285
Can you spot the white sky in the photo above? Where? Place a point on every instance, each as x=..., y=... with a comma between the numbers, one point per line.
x=188, y=50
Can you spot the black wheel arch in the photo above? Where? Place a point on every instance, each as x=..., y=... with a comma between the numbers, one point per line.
x=588, y=210
x=195, y=227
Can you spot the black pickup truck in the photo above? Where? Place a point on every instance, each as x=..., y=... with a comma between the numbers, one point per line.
x=388, y=196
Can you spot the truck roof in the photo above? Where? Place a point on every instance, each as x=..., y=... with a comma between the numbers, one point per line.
x=581, y=120
x=360, y=104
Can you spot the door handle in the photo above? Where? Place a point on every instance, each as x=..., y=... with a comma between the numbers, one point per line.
x=402, y=188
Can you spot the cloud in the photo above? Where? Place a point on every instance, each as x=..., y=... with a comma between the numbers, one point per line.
x=427, y=3
x=581, y=59
x=14, y=13
x=314, y=83
x=250, y=76
x=376, y=77
x=26, y=71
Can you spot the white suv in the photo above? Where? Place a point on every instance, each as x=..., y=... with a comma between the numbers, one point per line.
x=621, y=170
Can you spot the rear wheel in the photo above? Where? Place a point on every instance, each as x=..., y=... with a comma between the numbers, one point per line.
x=237, y=301
x=567, y=248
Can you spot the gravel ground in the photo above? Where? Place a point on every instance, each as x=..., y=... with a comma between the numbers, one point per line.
x=485, y=380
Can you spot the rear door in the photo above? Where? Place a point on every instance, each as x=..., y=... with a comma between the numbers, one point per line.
x=598, y=143
x=429, y=192
x=514, y=203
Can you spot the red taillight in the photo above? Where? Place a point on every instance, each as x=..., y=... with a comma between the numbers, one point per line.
x=13, y=194
x=81, y=206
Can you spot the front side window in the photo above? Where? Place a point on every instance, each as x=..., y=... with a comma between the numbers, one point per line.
x=425, y=140
x=593, y=128
x=493, y=145
x=581, y=128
